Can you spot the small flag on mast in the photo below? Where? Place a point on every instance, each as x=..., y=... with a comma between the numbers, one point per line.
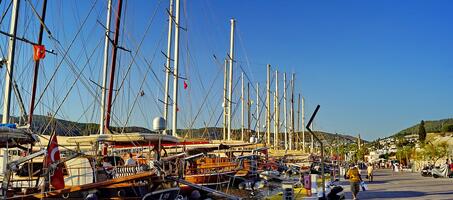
x=39, y=52
x=185, y=85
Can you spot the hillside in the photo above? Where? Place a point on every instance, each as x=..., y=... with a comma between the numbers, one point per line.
x=69, y=128
x=434, y=126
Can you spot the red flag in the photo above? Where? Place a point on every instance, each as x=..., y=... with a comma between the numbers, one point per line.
x=185, y=85
x=177, y=109
x=53, y=156
x=39, y=52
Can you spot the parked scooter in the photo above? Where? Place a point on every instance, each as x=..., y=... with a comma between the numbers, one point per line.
x=442, y=172
x=334, y=191
x=427, y=171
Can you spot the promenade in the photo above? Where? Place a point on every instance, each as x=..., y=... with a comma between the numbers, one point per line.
x=404, y=186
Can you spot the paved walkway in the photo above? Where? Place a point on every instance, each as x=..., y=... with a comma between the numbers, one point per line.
x=404, y=186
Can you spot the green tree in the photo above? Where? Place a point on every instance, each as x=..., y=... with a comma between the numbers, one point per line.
x=447, y=128
x=404, y=154
x=435, y=152
x=421, y=132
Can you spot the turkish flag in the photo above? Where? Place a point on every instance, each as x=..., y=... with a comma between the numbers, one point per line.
x=185, y=85
x=39, y=52
x=53, y=156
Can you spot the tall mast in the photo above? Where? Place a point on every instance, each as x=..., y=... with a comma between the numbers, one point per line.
x=230, y=84
x=258, y=110
x=268, y=106
x=10, y=62
x=312, y=145
x=225, y=107
x=36, y=69
x=106, y=63
x=291, y=134
x=285, y=111
x=242, y=106
x=276, y=112
x=303, y=124
x=168, y=63
x=249, y=104
x=298, y=123
x=176, y=71
x=113, y=64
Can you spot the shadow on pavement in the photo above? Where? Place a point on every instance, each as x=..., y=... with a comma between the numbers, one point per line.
x=389, y=194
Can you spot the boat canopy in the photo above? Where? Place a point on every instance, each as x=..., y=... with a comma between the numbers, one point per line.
x=12, y=137
x=126, y=138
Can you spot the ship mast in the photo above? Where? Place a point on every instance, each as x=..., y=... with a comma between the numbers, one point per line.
x=176, y=72
x=105, y=68
x=168, y=63
x=268, y=106
x=303, y=124
x=230, y=83
x=10, y=61
x=225, y=109
x=298, y=122
x=276, y=112
x=249, y=105
x=113, y=64
x=285, y=111
x=291, y=133
x=258, y=110
x=242, y=106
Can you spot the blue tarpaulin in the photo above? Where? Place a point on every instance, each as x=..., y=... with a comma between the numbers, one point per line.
x=8, y=125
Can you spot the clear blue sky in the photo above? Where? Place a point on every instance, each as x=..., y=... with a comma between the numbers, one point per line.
x=375, y=67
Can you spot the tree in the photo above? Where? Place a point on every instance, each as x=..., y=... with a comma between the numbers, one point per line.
x=447, y=128
x=421, y=132
x=435, y=152
x=404, y=154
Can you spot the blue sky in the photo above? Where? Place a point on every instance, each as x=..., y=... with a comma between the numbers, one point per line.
x=375, y=67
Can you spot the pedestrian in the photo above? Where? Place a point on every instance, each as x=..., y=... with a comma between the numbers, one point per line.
x=393, y=169
x=354, y=180
x=370, y=170
x=131, y=161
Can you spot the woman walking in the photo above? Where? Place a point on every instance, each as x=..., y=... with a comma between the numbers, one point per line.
x=370, y=170
x=354, y=181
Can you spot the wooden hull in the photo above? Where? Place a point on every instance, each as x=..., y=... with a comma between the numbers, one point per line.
x=210, y=180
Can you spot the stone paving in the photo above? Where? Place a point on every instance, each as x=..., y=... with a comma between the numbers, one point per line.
x=404, y=185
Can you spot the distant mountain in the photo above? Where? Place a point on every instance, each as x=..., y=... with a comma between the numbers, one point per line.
x=434, y=126
x=217, y=133
x=41, y=124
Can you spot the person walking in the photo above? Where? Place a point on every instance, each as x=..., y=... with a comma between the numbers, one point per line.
x=130, y=161
x=370, y=170
x=354, y=181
